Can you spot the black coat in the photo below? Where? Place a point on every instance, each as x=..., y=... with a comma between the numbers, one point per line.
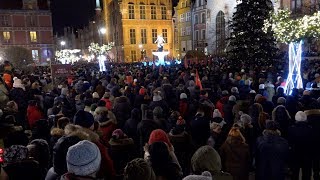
x=200, y=130
x=271, y=157
x=301, y=139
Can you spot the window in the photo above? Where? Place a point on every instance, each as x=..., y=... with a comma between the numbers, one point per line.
x=6, y=36
x=35, y=55
x=142, y=12
x=188, y=30
x=196, y=35
x=183, y=31
x=163, y=12
x=132, y=36
x=199, y=3
x=196, y=19
x=181, y=17
x=153, y=12
x=296, y=5
x=133, y=55
x=220, y=32
x=154, y=35
x=31, y=20
x=4, y=20
x=203, y=34
x=188, y=16
x=165, y=35
x=143, y=36
x=131, y=11
x=33, y=36
x=183, y=5
x=186, y=3
x=203, y=17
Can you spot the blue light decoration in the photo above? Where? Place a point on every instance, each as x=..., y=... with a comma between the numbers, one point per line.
x=144, y=63
x=178, y=61
x=150, y=63
x=294, y=77
x=168, y=63
x=102, y=65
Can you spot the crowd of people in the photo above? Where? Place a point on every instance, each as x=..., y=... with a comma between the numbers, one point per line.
x=135, y=122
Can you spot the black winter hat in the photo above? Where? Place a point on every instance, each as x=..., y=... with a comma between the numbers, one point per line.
x=60, y=150
x=83, y=119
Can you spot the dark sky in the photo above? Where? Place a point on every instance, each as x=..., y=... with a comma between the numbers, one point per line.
x=74, y=13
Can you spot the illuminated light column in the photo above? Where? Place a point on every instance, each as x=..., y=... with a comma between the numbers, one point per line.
x=160, y=56
x=102, y=65
x=294, y=77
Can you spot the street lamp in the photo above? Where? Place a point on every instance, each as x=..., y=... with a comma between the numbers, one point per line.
x=102, y=32
x=62, y=43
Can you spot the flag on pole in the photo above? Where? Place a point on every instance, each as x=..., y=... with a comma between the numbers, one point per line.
x=198, y=81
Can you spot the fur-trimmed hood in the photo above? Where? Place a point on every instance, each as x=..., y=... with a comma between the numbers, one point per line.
x=57, y=132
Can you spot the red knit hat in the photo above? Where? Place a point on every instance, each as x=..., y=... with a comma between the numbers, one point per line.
x=142, y=91
x=159, y=135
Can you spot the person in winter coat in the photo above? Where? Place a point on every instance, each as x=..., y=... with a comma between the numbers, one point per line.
x=216, y=138
x=207, y=159
x=108, y=99
x=100, y=89
x=33, y=113
x=228, y=110
x=162, y=163
x=4, y=94
x=271, y=153
x=108, y=123
x=235, y=155
x=141, y=98
x=19, y=95
x=282, y=116
x=301, y=138
x=131, y=125
x=313, y=116
x=183, y=105
x=158, y=101
x=224, y=100
x=83, y=161
x=279, y=93
x=200, y=128
x=122, y=110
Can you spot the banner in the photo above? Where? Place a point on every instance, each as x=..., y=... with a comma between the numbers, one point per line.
x=61, y=70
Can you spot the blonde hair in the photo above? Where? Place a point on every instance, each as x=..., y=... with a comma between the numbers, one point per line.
x=235, y=135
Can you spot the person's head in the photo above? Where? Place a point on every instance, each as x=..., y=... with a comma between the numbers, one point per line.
x=83, y=159
x=158, y=112
x=138, y=169
x=245, y=118
x=235, y=136
x=301, y=116
x=39, y=150
x=60, y=150
x=206, y=159
x=159, y=135
x=159, y=156
x=216, y=124
x=84, y=119
x=281, y=101
x=204, y=176
x=280, y=90
x=62, y=122
x=136, y=114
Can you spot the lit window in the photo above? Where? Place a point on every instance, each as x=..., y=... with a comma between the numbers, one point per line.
x=35, y=55
x=165, y=35
x=33, y=36
x=142, y=12
x=131, y=11
x=163, y=12
x=181, y=17
x=132, y=36
x=154, y=35
x=6, y=36
x=153, y=12
x=188, y=16
x=143, y=36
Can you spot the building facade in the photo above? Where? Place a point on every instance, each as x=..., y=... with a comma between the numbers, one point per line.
x=29, y=27
x=184, y=27
x=199, y=25
x=133, y=25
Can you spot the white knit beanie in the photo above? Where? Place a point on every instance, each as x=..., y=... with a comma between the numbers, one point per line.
x=301, y=116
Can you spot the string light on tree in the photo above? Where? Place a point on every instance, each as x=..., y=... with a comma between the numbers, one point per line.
x=99, y=51
x=292, y=32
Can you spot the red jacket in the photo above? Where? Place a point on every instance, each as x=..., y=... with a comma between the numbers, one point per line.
x=108, y=103
x=33, y=114
x=183, y=108
x=221, y=103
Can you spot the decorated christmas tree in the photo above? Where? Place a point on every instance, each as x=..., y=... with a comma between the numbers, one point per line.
x=249, y=44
